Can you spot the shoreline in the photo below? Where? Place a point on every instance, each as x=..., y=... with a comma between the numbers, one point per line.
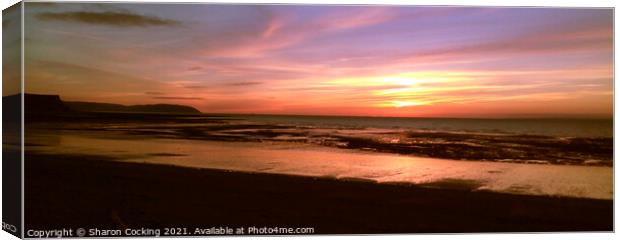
x=302, y=159
x=91, y=191
x=443, y=144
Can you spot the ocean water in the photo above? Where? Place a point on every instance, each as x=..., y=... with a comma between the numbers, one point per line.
x=523, y=156
x=553, y=141
x=544, y=126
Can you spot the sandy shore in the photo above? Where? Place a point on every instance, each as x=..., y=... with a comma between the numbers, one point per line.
x=90, y=191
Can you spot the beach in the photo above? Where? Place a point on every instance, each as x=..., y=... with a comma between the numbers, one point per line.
x=119, y=171
x=94, y=192
x=508, y=162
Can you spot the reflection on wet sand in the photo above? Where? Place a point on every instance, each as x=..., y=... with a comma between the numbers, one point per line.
x=458, y=145
x=300, y=158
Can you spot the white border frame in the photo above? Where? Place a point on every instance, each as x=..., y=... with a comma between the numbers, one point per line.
x=506, y=3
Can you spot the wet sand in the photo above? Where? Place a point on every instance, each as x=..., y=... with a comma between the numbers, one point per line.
x=492, y=146
x=304, y=159
x=92, y=191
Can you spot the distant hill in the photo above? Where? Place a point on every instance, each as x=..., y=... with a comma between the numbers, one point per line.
x=151, y=108
x=45, y=104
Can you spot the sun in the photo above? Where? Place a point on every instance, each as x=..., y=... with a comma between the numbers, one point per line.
x=400, y=104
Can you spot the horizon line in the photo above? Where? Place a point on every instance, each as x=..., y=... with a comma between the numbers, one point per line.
x=498, y=117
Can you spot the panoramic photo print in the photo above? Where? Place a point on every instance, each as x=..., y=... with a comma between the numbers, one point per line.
x=145, y=119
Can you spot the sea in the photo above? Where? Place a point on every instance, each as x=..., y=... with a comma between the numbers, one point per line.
x=553, y=157
x=526, y=126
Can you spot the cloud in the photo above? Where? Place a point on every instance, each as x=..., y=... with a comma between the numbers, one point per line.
x=529, y=45
x=195, y=87
x=244, y=83
x=195, y=68
x=271, y=31
x=542, y=42
x=109, y=18
x=362, y=17
x=154, y=93
x=576, y=38
x=86, y=82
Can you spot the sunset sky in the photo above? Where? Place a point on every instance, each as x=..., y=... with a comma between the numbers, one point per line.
x=327, y=60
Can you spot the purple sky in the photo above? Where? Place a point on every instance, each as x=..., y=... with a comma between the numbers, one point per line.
x=336, y=60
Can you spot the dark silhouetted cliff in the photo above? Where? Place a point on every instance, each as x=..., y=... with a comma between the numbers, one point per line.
x=38, y=104
x=109, y=107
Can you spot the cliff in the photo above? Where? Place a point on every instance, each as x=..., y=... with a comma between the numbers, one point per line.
x=47, y=104
x=152, y=108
